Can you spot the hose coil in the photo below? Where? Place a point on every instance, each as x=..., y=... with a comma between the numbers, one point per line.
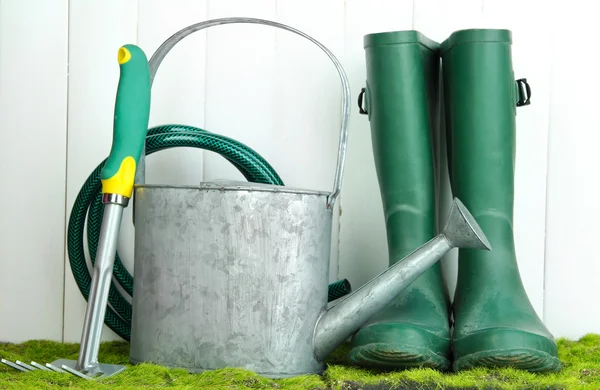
x=89, y=203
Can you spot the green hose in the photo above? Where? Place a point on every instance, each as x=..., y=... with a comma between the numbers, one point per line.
x=89, y=200
x=339, y=289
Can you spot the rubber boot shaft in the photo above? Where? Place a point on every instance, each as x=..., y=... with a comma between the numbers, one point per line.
x=401, y=100
x=494, y=321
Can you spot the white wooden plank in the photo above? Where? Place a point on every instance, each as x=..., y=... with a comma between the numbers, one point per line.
x=572, y=267
x=437, y=19
x=177, y=97
x=531, y=56
x=33, y=103
x=178, y=88
x=363, y=243
x=240, y=64
x=307, y=106
x=97, y=30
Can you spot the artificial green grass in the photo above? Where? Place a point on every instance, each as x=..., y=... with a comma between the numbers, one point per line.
x=581, y=370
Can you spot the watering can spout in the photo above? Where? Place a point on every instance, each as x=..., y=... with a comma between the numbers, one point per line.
x=342, y=320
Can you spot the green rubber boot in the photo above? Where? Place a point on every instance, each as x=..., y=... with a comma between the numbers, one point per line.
x=401, y=98
x=495, y=324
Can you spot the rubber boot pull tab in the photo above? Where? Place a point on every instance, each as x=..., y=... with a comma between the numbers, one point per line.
x=524, y=92
x=360, y=101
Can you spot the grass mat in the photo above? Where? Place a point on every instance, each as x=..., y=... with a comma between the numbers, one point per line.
x=581, y=370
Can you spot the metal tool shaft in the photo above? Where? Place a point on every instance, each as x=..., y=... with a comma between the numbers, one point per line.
x=101, y=278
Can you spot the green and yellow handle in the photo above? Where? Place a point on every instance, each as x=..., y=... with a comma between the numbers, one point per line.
x=132, y=113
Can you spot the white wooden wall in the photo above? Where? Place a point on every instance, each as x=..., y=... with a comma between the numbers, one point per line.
x=279, y=94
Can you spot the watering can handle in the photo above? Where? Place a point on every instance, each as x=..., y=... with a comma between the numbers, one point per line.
x=162, y=51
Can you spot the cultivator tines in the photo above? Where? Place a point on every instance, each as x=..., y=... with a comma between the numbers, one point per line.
x=65, y=366
x=21, y=366
x=129, y=134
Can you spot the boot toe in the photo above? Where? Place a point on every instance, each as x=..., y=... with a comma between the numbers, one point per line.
x=506, y=348
x=393, y=345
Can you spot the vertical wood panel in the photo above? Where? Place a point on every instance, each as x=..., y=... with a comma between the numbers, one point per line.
x=531, y=59
x=240, y=88
x=279, y=94
x=33, y=103
x=178, y=89
x=363, y=242
x=307, y=106
x=177, y=97
x=97, y=30
x=437, y=20
x=572, y=266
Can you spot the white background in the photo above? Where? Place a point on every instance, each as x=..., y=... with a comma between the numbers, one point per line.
x=279, y=94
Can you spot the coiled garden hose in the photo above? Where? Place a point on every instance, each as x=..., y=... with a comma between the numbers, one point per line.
x=89, y=201
x=338, y=289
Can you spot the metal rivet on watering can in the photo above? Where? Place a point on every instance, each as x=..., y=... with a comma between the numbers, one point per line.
x=234, y=274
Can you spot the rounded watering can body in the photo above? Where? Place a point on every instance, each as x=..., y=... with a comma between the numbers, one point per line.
x=230, y=275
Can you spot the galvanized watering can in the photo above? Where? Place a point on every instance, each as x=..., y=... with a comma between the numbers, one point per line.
x=235, y=274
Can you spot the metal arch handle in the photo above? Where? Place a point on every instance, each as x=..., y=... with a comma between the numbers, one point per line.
x=167, y=45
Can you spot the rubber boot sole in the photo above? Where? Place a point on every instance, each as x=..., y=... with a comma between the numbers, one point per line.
x=498, y=347
x=394, y=345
